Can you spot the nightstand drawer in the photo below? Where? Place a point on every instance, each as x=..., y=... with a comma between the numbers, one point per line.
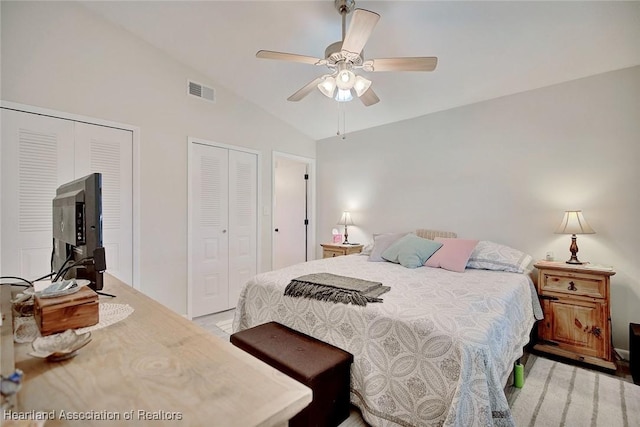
x=329, y=253
x=574, y=284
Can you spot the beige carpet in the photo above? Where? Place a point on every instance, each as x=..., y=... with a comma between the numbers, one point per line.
x=557, y=394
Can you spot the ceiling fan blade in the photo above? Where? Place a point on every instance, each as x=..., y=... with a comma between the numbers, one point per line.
x=369, y=98
x=292, y=57
x=306, y=90
x=421, y=63
x=361, y=26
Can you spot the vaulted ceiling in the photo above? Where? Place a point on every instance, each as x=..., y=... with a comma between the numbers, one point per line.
x=485, y=50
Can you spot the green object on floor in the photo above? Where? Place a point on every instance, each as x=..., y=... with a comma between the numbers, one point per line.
x=518, y=375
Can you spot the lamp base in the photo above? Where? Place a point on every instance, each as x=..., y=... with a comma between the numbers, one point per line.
x=574, y=252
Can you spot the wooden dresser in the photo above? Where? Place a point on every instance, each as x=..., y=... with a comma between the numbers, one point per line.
x=577, y=320
x=156, y=368
x=330, y=250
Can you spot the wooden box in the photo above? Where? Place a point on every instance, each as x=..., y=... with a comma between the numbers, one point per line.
x=73, y=311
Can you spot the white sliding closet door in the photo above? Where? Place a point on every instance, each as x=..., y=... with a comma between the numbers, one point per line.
x=222, y=226
x=109, y=151
x=35, y=160
x=39, y=153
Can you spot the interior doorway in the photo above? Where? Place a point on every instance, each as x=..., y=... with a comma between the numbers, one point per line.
x=293, y=231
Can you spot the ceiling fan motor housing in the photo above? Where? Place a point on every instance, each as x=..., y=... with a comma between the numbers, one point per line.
x=334, y=54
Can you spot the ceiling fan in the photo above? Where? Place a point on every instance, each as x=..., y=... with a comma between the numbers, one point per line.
x=345, y=56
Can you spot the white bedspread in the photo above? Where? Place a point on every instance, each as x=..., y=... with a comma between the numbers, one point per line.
x=437, y=351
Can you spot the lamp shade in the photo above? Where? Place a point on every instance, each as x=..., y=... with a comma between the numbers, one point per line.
x=345, y=219
x=574, y=223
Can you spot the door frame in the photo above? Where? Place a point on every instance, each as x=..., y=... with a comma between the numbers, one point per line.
x=190, y=160
x=135, y=160
x=311, y=207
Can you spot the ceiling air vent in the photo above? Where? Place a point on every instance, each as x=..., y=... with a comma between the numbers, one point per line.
x=201, y=91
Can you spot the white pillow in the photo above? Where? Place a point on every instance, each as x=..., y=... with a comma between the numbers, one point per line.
x=381, y=242
x=366, y=250
x=494, y=256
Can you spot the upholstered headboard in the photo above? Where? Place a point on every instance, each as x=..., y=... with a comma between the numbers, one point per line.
x=425, y=233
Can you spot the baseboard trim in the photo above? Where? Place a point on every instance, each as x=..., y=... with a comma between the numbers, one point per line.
x=623, y=353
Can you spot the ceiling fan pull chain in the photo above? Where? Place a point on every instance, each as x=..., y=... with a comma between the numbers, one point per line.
x=344, y=121
x=342, y=115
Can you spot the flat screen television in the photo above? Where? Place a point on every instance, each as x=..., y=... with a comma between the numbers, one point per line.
x=77, y=231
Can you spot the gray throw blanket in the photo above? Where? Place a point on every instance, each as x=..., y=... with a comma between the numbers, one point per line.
x=334, y=288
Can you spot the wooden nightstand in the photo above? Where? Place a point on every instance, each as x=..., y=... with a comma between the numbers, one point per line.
x=577, y=320
x=330, y=250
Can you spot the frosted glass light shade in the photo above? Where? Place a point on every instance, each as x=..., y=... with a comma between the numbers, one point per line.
x=345, y=79
x=361, y=85
x=343, y=95
x=327, y=86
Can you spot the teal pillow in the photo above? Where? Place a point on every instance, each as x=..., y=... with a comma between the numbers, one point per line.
x=411, y=251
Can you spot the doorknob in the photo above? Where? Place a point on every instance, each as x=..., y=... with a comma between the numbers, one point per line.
x=224, y=231
x=276, y=230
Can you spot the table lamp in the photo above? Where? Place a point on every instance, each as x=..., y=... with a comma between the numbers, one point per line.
x=345, y=220
x=574, y=223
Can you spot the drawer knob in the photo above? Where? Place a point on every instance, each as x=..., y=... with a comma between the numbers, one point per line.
x=572, y=286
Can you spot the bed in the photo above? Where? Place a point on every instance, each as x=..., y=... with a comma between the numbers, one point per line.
x=437, y=351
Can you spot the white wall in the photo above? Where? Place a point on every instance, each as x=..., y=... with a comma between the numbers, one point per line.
x=505, y=170
x=61, y=56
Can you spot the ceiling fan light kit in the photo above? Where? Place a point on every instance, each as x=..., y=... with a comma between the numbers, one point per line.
x=345, y=56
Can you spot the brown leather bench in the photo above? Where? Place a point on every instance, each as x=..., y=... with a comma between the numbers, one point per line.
x=320, y=366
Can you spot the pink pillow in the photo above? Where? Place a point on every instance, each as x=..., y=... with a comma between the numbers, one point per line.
x=453, y=255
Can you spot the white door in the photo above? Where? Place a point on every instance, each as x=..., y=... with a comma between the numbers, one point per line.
x=110, y=153
x=35, y=160
x=243, y=227
x=290, y=212
x=222, y=226
x=39, y=153
x=209, y=222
